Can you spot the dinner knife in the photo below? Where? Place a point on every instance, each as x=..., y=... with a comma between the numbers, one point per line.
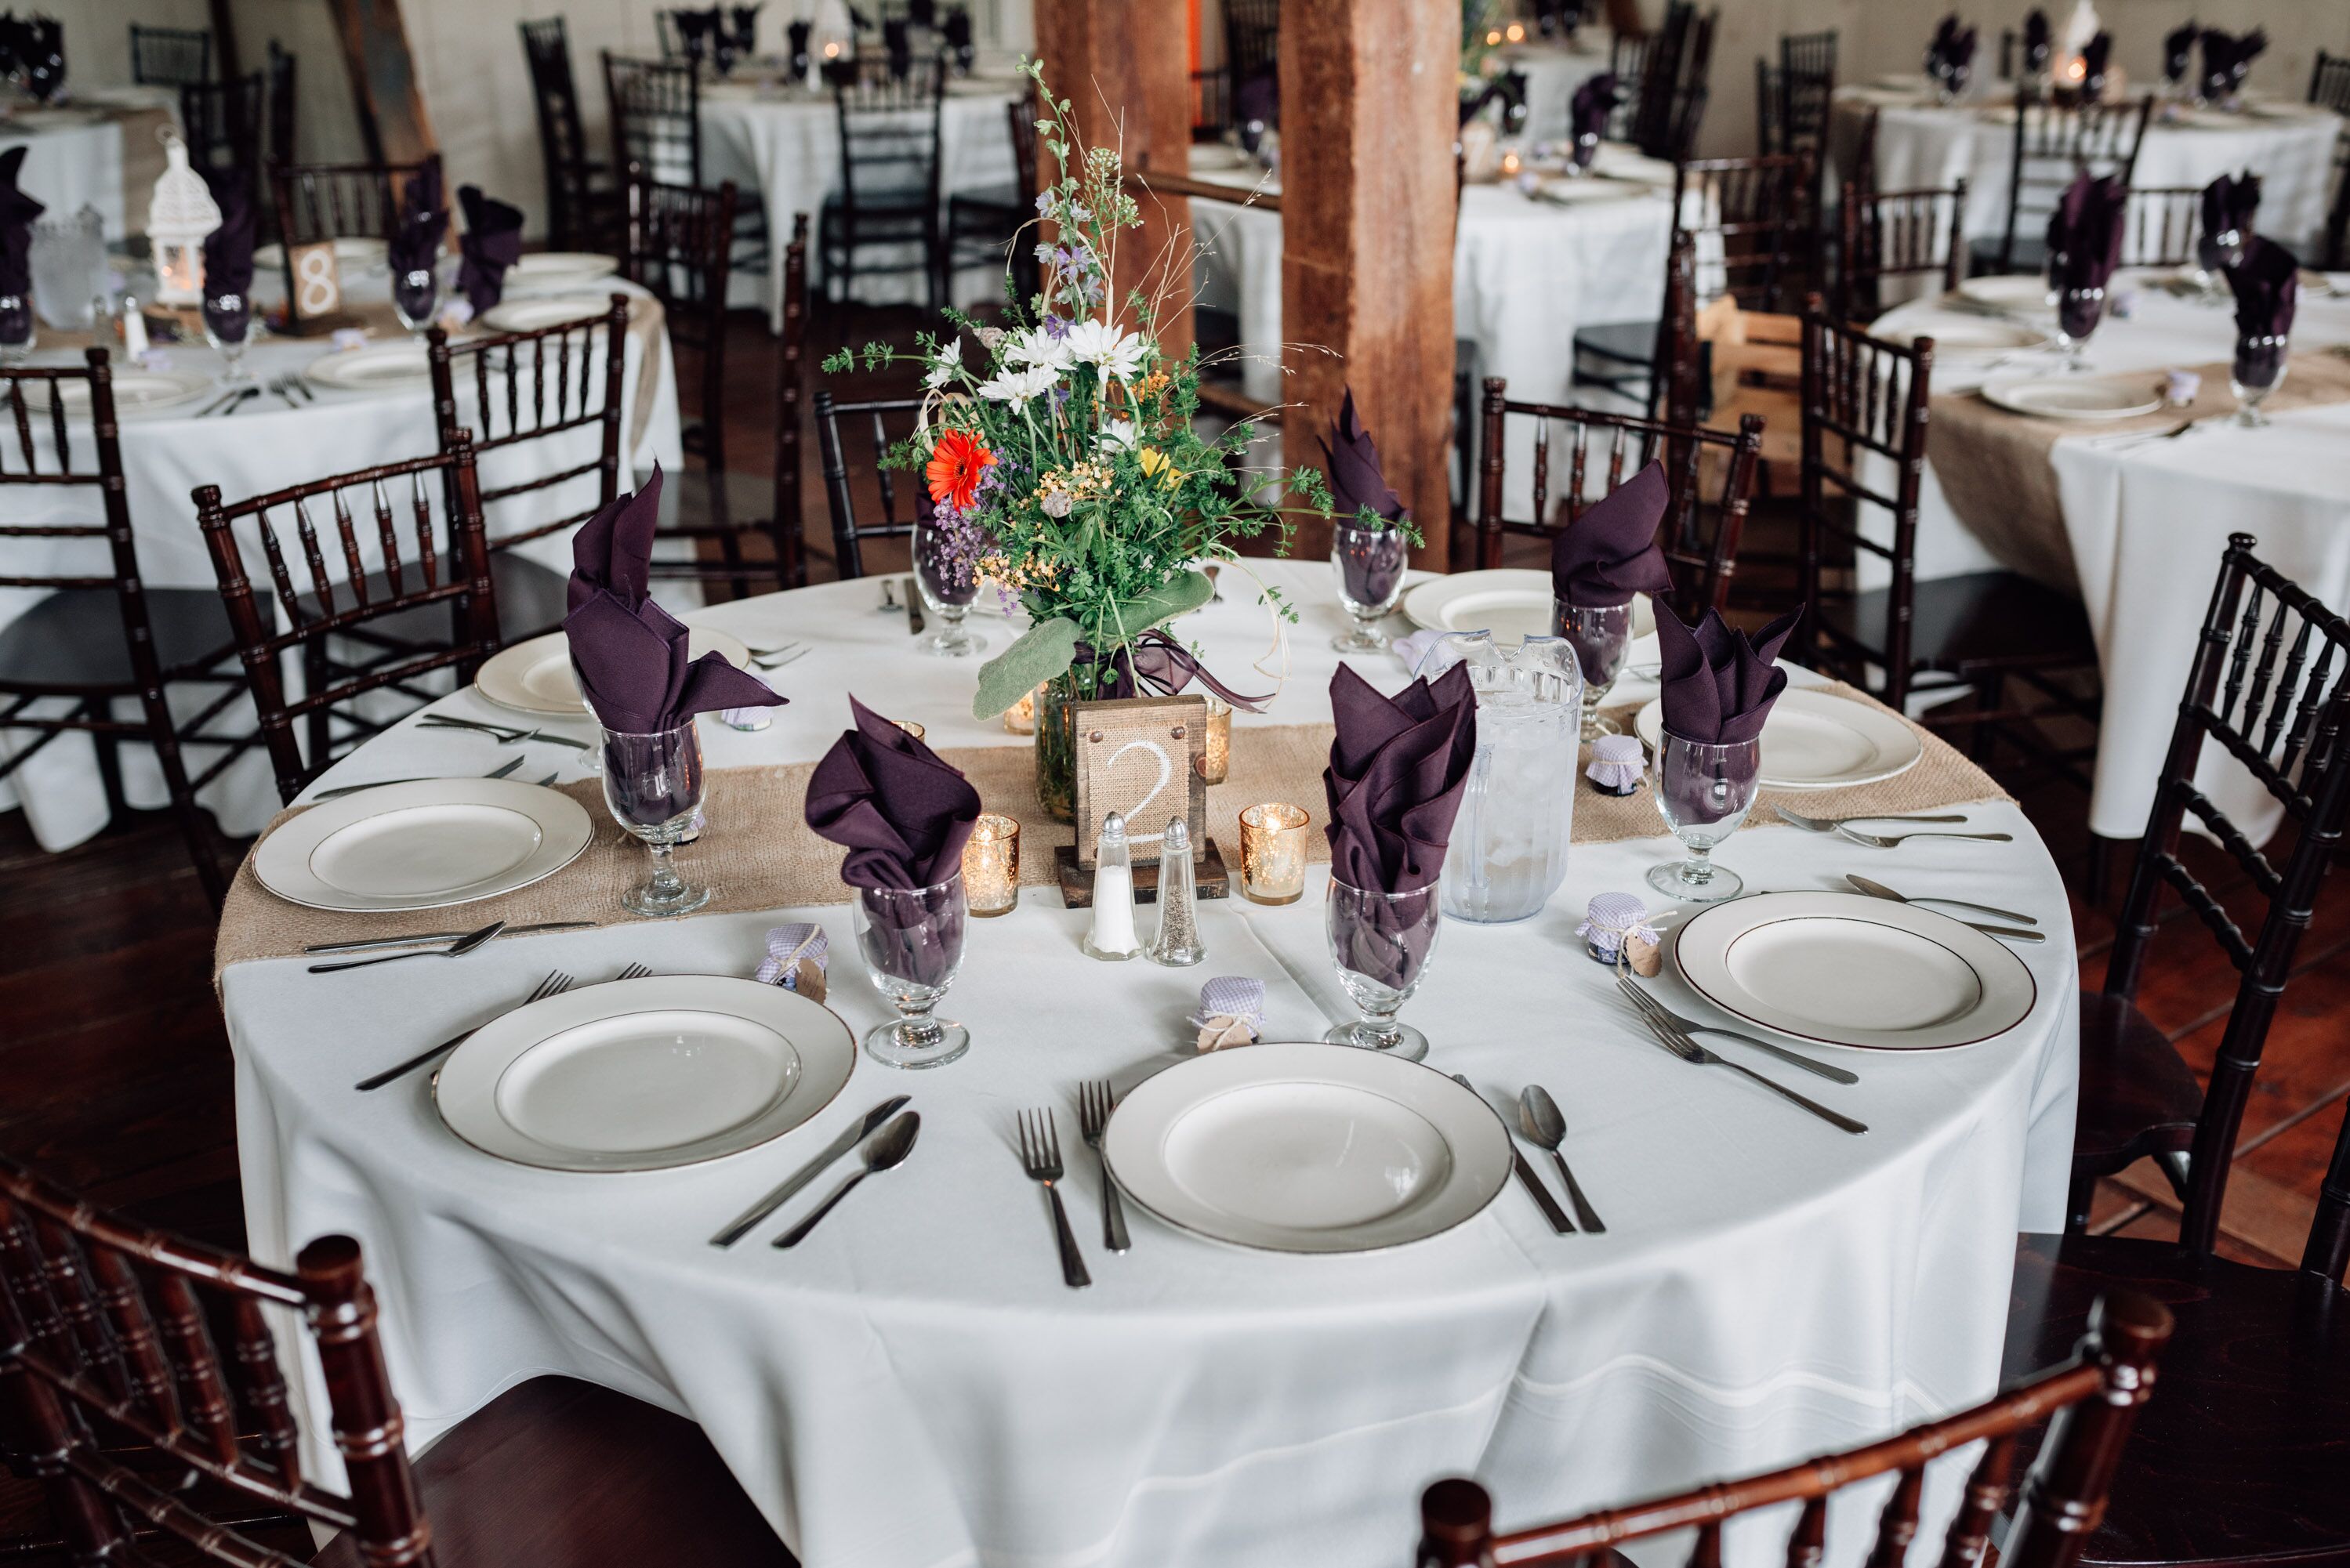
x=1549, y=1204
x=850, y=1136
x=366, y=943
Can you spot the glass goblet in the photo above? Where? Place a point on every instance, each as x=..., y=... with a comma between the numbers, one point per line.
x=912, y=941
x=2214, y=255
x=416, y=296
x=947, y=575
x=1600, y=636
x=1704, y=791
x=2257, y=370
x=16, y=328
x=654, y=784
x=1369, y=563
x=2078, y=311
x=1586, y=148
x=228, y=328
x=1381, y=943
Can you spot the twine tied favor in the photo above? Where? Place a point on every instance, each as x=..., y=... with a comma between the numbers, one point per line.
x=1232, y=1013
x=1616, y=926
x=797, y=958
x=1615, y=763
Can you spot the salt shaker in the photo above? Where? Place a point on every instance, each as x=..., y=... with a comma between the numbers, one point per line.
x=1176, y=945
x=1112, y=939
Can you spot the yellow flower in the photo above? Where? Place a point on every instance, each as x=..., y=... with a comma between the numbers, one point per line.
x=1157, y=465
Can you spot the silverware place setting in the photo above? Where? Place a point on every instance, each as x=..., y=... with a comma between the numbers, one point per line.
x=555, y=984
x=776, y=659
x=1677, y=1041
x=506, y=733
x=850, y=1136
x=1894, y=841
x=1833, y=824
x=501, y=771
x=2013, y=933
x=457, y=949
x=884, y=1150
x=1095, y=1102
x=1545, y=1124
x=1550, y=1211
x=913, y=608
x=1650, y=1007
x=363, y=944
x=1040, y=1157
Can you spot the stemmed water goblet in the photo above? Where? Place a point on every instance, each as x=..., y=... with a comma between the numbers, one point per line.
x=1703, y=792
x=2259, y=369
x=2078, y=311
x=911, y=939
x=946, y=574
x=653, y=783
x=228, y=328
x=1601, y=635
x=1369, y=563
x=416, y=295
x=1381, y=943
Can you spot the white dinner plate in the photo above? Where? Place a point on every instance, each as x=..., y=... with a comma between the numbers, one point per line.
x=530, y=315
x=370, y=368
x=1958, y=334
x=2008, y=291
x=353, y=252
x=137, y=392
x=535, y=676
x=1841, y=968
x=642, y=1074
x=1307, y=1148
x=1817, y=740
x=1512, y=602
x=422, y=845
x=1568, y=192
x=2067, y=397
x=559, y=269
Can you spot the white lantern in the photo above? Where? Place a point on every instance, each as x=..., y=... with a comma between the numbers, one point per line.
x=179, y=220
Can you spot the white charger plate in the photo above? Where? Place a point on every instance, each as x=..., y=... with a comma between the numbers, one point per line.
x=355, y=252
x=1839, y=969
x=422, y=845
x=2068, y=397
x=2008, y=291
x=1307, y=1148
x=137, y=391
x=530, y=315
x=559, y=269
x=1567, y=192
x=1510, y=602
x=1817, y=740
x=642, y=1074
x=535, y=676
x=370, y=368
x=1960, y=335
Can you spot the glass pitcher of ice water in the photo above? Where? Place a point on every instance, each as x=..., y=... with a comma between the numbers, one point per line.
x=1509, y=846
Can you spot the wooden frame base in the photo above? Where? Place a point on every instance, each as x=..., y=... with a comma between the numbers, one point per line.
x=1208, y=873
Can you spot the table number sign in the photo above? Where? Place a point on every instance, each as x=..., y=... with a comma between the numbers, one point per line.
x=1140, y=757
x=314, y=289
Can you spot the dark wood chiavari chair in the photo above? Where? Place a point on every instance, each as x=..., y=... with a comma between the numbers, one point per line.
x=579, y=198
x=1866, y=399
x=171, y=56
x=986, y=226
x=534, y=390
x=1770, y=104
x=282, y=106
x=2160, y=225
x=885, y=421
x=2094, y=1397
x=1897, y=234
x=1660, y=79
x=1691, y=93
x=2329, y=87
x=678, y=242
x=2052, y=144
x=1627, y=58
x=1623, y=356
x=340, y=201
x=223, y=121
x=889, y=198
x=2276, y=698
x=1807, y=67
x=1251, y=41
x=100, y=634
x=656, y=113
x=443, y=563
x=145, y=1386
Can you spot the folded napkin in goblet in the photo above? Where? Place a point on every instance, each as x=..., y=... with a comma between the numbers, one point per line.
x=423, y=220
x=1615, y=763
x=1717, y=685
x=17, y=211
x=1398, y=769
x=491, y=243
x=1610, y=553
x=2086, y=232
x=1594, y=101
x=798, y=955
x=1950, y=53
x=2095, y=54
x=1373, y=568
x=2177, y=45
x=1617, y=925
x=228, y=249
x=2036, y=39
x=905, y=816
x=1232, y=1013
x=2267, y=286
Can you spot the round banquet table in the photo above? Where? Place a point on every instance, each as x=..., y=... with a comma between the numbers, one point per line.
x=784, y=142
x=97, y=150
x=2143, y=524
x=1553, y=72
x=268, y=444
x=1920, y=145
x=914, y=1386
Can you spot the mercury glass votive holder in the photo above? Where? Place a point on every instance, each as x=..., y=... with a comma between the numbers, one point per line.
x=1273, y=852
x=1021, y=717
x=991, y=866
x=1216, y=743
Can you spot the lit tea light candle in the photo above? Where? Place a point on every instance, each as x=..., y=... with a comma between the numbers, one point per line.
x=1216, y=743
x=1021, y=717
x=832, y=51
x=1517, y=32
x=1494, y=37
x=1273, y=852
x=991, y=866
x=1510, y=165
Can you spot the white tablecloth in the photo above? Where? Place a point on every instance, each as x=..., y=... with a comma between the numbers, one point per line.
x=266, y=446
x=2144, y=525
x=914, y=1386
x=71, y=162
x=2288, y=146
x=784, y=144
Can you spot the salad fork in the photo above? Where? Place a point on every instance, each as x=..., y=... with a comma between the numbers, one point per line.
x=1040, y=1157
x=1688, y=1050
x=1887, y=841
x=1095, y=1102
x=1650, y=1006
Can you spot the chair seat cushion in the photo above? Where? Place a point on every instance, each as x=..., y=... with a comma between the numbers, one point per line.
x=72, y=642
x=2137, y=1097
x=1977, y=621
x=556, y=1473
x=2242, y=1454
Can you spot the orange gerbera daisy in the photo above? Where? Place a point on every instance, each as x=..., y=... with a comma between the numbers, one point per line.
x=957, y=461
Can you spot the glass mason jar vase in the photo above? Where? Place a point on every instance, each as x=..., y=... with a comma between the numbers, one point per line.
x=1057, y=748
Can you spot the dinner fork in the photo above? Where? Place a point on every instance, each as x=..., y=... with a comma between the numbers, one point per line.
x=458, y=948
x=1688, y=1050
x=501, y=771
x=1830, y=824
x=1095, y=1102
x=504, y=733
x=1657, y=1009
x=1887, y=841
x=779, y=660
x=1040, y=1157
x=555, y=984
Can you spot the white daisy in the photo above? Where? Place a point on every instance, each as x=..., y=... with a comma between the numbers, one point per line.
x=1096, y=343
x=946, y=367
x=1038, y=347
x=1018, y=386
x=1118, y=433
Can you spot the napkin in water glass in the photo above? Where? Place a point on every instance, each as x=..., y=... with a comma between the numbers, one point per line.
x=1610, y=553
x=1398, y=769
x=2177, y=45
x=1717, y=685
x=228, y=249
x=2086, y=232
x=1351, y=459
x=2036, y=38
x=1594, y=101
x=2267, y=286
x=17, y=211
x=423, y=220
x=491, y=243
x=631, y=656
x=1950, y=53
x=2094, y=55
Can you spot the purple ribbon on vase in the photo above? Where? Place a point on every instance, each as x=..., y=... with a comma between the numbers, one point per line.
x=1158, y=661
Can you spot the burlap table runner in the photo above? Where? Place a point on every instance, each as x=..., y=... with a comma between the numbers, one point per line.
x=758, y=853
x=1996, y=469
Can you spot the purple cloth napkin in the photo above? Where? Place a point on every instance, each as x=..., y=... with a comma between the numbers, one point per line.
x=2085, y=231
x=2267, y=286
x=39, y=47
x=1718, y=685
x=1352, y=461
x=904, y=814
x=17, y=211
x=1610, y=553
x=2094, y=55
x=956, y=29
x=746, y=26
x=696, y=29
x=1951, y=51
x=491, y=243
x=1257, y=101
x=2036, y=40
x=228, y=249
x=630, y=654
x=1594, y=101
x=898, y=42
x=2228, y=59
x=2229, y=204
x=1398, y=769
x=423, y=220
x=2178, y=45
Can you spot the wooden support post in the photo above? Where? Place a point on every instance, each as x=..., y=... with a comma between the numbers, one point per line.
x=1368, y=113
x=1122, y=64
x=383, y=80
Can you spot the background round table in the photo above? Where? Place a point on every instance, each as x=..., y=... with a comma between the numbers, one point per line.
x=100, y=150
x=915, y=1385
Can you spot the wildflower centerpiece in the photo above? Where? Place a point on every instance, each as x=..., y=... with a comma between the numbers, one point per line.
x=1061, y=464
